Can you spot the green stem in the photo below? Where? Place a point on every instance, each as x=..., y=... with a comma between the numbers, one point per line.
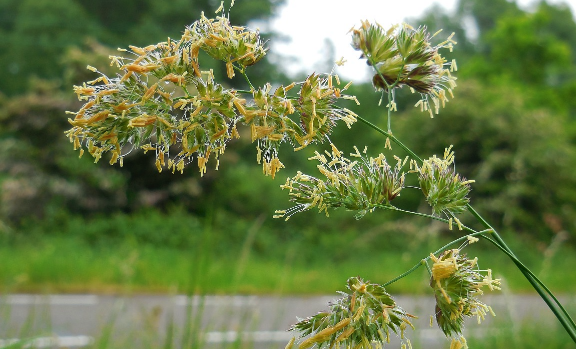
x=390, y=99
x=389, y=88
x=442, y=249
x=545, y=293
x=521, y=265
x=186, y=90
x=243, y=72
x=410, y=271
x=389, y=135
x=440, y=219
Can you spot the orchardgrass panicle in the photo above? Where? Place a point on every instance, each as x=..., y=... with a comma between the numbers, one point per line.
x=358, y=185
x=162, y=102
x=364, y=317
x=444, y=189
x=457, y=283
x=402, y=56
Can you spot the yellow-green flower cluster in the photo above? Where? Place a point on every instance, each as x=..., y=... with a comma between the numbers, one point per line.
x=316, y=105
x=228, y=43
x=162, y=102
x=445, y=190
x=402, y=56
x=269, y=116
x=457, y=284
x=362, y=319
x=360, y=185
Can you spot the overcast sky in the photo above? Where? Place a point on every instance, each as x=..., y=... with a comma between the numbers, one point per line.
x=309, y=22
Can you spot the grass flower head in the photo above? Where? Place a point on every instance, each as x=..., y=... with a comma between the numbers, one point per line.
x=358, y=185
x=444, y=189
x=402, y=56
x=162, y=102
x=230, y=44
x=364, y=317
x=457, y=284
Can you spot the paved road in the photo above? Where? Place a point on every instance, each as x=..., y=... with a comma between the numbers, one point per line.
x=73, y=321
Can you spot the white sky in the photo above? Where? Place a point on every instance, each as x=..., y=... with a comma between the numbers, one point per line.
x=309, y=22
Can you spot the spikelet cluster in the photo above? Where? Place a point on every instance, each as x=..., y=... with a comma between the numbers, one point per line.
x=162, y=102
x=231, y=44
x=404, y=56
x=457, y=283
x=363, y=318
x=444, y=189
x=358, y=185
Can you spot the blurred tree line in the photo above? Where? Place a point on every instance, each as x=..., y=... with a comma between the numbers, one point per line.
x=512, y=123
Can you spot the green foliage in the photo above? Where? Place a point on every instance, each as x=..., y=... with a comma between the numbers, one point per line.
x=37, y=41
x=164, y=249
x=504, y=45
x=485, y=17
x=527, y=36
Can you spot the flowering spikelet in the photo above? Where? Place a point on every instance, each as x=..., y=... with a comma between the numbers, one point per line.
x=365, y=315
x=162, y=101
x=359, y=185
x=445, y=190
x=457, y=284
x=228, y=43
x=319, y=113
x=402, y=56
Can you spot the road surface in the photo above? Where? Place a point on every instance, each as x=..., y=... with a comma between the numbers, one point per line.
x=75, y=321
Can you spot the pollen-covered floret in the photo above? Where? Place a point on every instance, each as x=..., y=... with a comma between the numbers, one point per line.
x=318, y=110
x=359, y=185
x=364, y=317
x=231, y=44
x=444, y=189
x=457, y=284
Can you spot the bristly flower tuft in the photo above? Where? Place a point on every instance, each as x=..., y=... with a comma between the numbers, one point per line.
x=230, y=44
x=360, y=185
x=402, y=56
x=162, y=102
x=457, y=284
x=445, y=190
x=364, y=317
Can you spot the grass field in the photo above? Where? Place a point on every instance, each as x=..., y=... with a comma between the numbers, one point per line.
x=70, y=265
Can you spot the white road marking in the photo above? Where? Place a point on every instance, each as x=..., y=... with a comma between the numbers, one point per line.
x=49, y=342
x=215, y=301
x=30, y=299
x=254, y=336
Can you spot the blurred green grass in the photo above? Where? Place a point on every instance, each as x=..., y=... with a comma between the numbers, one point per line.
x=526, y=334
x=198, y=258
